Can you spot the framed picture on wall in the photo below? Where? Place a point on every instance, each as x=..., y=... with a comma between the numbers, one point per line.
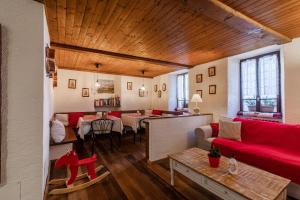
x=164, y=87
x=211, y=71
x=72, y=84
x=155, y=88
x=141, y=93
x=212, y=89
x=200, y=92
x=199, y=78
x=129, y=85
x=85, y=92
x=159, y=93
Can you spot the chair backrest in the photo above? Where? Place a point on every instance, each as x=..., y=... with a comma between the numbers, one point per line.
x=102, y=126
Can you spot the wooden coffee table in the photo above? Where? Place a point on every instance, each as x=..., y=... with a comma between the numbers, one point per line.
x=249, y=183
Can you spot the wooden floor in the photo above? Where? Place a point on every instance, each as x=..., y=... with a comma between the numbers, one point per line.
x=131, y=177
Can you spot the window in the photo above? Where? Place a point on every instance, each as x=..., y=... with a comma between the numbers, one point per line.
x=182, y=90
x=260, y=83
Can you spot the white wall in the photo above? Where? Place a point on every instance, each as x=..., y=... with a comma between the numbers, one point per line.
x=67, y=100
x=48, y=110
x=23, y=27
x=292, y=81
x=161, y=103
x=130, y=99
x=212, y=103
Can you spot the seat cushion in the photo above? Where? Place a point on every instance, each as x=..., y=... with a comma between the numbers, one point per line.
x=73, y=118
x=156, y=112
x=115, y=114
x=278, y=161
x=227, y=147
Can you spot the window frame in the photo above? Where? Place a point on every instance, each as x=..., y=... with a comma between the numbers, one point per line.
x=258, y=99
x=185, y=101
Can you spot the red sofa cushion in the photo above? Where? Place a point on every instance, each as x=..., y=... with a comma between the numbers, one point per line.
x=156, y=112
x=215, y=129
x=227, y=147
x=73, y=118
x=115, y=114
x=277, y=161
x=272, y=134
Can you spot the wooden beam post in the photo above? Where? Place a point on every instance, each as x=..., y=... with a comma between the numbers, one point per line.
x=118, y=55
x=221, y=12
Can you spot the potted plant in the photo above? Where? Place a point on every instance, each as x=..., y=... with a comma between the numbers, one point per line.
x=251, y=105
x=267, y=105
x=214, y=157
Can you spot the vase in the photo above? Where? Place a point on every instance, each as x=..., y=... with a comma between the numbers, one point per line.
x=214, y=161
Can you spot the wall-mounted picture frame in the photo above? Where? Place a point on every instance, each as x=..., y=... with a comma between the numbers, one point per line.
x=85, y=92
x=211, y=71
x=155, y=88
x=212, y=89
x=97, y=103
x=159, y=93
x=164, y=87
x=129, y=85
x=141, y=93
x=72, y=84
x=55, y=79
x=199, y=78
x=200, y=92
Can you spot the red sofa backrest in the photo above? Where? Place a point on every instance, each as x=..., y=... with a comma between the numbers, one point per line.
x=283, y=136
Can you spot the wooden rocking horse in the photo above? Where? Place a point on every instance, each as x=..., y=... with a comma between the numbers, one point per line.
x=71, y=160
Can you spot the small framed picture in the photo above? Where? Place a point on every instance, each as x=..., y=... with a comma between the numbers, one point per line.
x=141, y=93
x=155, y=88
x=211, y=71
x=212, y=89
x=199, y=78
x=164, y=87
x=85, y=92
x=97, y=103
x=199, y=92
x=159, y=93
x=129, y=85
x=72, y=84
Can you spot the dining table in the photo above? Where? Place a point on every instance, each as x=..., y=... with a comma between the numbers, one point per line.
x=133, y=120
x=84, y=124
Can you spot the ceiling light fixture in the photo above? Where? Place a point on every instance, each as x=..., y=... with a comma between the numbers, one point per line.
x=98, y=65
x=143, y=86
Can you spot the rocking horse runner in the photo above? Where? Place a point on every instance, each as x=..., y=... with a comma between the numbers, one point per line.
x=71, y=160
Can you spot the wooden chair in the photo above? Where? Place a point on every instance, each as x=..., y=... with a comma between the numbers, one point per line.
x=99, y=127
x=141, y=129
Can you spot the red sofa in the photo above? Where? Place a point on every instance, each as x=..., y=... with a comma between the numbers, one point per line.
x=271, y=146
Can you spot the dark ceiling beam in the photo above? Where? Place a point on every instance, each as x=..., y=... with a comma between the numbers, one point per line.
x=40, y=1
x=118, y=55
x=99, y=71
x=223, y=13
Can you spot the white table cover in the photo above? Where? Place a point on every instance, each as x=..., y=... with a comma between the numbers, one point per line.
x=84, y=125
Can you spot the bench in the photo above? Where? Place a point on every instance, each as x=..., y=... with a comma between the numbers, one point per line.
x=59, y=149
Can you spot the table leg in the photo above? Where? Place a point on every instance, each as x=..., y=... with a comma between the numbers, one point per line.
x=172, y=172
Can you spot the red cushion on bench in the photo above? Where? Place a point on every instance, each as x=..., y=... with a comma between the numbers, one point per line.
x=115, y=114
x=73, y=118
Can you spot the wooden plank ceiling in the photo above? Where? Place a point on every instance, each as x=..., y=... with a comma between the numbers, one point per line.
x=176, y=31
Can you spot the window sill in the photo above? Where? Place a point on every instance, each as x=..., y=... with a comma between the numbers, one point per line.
x=259, y=115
